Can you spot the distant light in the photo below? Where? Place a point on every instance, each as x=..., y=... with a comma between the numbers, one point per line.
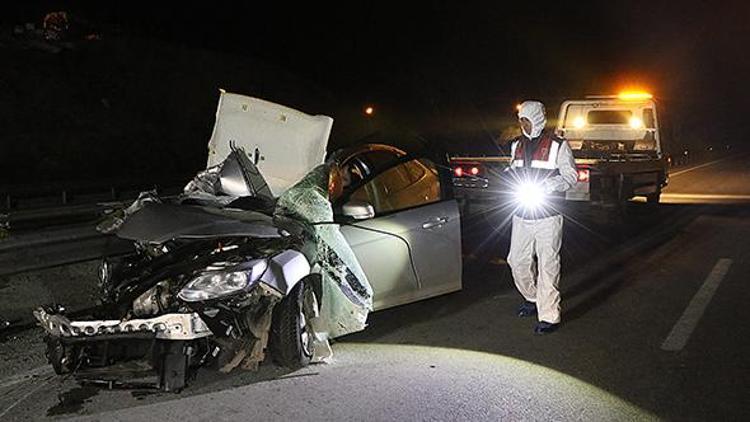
x=474, y=171
x=458, y=171
x=634, y=95
x=579, y=122
x=369, y=110
x=636, y=123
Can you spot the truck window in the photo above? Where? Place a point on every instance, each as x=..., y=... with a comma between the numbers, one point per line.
x=609, y=117
x=648, y=118
x=571, y=113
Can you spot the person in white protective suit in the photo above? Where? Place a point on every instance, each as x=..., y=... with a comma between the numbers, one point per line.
x=542, y=169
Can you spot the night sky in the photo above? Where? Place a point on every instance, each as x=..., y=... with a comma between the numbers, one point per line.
x=453, y=67
x=681, y=50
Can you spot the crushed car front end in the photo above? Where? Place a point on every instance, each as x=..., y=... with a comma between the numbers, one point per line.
x=233, y=266
x=170, y=309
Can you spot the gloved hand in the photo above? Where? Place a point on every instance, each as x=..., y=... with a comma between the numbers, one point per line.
x=548, y=187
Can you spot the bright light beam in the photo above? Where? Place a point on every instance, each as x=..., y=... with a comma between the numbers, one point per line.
x=531, y=195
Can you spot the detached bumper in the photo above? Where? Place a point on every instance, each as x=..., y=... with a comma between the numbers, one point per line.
x=165, y=327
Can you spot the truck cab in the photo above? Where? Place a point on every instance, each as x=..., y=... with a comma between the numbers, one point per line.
x=617, y=138
x=623, y=126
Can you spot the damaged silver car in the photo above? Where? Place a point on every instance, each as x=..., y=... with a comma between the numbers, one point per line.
x=272, y=248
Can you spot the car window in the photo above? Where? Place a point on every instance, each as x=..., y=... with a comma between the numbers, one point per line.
x=416, y=170
x=365, y=164
x=407, y=185
x=372, y=162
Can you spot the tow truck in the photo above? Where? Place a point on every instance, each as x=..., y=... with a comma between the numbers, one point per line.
x=617, y=147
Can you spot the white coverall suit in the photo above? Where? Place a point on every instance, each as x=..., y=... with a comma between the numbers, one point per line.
x=540, y=235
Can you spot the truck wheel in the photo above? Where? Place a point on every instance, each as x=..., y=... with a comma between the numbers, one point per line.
x=291, y=334
x=60, y=356
x=653, y=198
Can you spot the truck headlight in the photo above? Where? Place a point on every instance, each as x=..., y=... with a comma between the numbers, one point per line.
x=579, y=122
x=530, y=195
x=213, y=284
x=635, y=123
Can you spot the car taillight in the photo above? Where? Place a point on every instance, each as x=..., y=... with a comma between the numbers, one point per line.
x=583, y=175
x=474, y=171
x=458, y=171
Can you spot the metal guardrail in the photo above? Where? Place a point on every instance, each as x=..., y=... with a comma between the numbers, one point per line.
x=39, y=195
x=64, y=233
x=66, y=212
x=55, y=224
x=56, y=247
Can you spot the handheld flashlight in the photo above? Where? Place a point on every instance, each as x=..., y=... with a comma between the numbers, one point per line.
x=530, y=195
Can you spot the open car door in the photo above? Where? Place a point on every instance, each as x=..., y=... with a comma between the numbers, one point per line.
x=411, y=249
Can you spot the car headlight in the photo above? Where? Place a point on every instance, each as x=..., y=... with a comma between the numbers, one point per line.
x=530, y=195
x=213, y=284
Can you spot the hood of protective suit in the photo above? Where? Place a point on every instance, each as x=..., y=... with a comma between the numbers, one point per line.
x=534, y=111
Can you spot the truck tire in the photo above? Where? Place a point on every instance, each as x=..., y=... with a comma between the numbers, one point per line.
x=291, y=336
x=60, y=356
x=653, y=198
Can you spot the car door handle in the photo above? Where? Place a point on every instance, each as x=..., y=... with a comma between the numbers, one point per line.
x=434, y=222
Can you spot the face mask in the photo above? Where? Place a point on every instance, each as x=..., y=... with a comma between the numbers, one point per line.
x=536, y=130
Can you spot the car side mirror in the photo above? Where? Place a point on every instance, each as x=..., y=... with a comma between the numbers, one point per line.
x=358, y=210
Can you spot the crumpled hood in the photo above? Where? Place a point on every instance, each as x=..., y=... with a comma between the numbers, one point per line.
x=282, y=142
x=158, y=223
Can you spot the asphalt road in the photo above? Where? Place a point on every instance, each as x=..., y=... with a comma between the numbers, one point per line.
x=654, y=327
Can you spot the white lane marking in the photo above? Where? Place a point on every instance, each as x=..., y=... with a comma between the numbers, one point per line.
x=25, y=396
x=704, y=195
x=684, y=327
x=26, y=376
x=677, y=198
x=710, y=163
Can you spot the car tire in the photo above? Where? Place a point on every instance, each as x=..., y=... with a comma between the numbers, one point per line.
x=291, y=335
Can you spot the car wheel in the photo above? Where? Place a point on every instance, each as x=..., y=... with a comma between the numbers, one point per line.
x=291, y=334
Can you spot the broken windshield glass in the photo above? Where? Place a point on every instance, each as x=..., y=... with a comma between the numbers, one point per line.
x=347, y=295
